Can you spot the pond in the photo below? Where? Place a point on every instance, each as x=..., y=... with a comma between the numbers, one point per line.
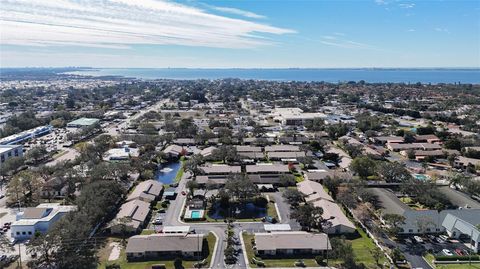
x=239, y=211
x=166, y=173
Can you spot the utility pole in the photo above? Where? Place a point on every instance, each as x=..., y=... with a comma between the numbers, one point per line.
x=19, y=257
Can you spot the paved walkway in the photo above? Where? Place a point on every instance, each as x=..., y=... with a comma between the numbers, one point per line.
x=115, y=252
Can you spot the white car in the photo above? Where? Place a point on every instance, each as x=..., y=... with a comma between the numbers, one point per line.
x=439, y=240
x=418, y=239
x=443, y=237
x=447, y=252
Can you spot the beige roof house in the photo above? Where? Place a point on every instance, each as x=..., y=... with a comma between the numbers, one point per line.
x=134, y=213
x=148, y=191
x=316, y=194
x=276, y=241
x=145, y=246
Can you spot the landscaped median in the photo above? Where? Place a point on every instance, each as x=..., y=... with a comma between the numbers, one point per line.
x=209, y=241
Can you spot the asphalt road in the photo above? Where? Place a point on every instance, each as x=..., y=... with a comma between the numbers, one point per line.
x=172, y=218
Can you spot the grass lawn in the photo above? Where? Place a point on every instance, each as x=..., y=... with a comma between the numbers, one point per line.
x=430, y=259
x=247, y=238
x=124, y=264
x=361, y=249
x=180, y=171
x=147, y=232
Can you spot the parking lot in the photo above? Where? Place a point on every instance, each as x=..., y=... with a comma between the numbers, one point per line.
x=436, y=245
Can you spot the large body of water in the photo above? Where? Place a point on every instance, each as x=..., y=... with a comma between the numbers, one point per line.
x=433, y=76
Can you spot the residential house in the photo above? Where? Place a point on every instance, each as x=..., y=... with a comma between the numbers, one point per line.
x=290, y=243
x=155, y=246
x=131, y=217
x=147, y=191
x=316, y=194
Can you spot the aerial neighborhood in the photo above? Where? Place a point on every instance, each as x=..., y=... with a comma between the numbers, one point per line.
x=115, y=172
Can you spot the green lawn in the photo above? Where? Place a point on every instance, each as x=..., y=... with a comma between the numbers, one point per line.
x=247, y=238
x=124, y=264
x=180, y=171
x=430, y=259
x=147, y=232
x=362, y=246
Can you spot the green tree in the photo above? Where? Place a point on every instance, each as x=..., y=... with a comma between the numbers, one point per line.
x=240, y=188
x=36, y=154
x=363, y=166
x=394, y=221
x=453, y=143
x=393, y=172
x=293, y=196
x=309, y=217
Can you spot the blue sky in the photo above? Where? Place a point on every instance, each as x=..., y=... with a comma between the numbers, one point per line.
x=240, y=33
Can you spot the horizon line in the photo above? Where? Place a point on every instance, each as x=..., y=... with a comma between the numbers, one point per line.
x=206, y=68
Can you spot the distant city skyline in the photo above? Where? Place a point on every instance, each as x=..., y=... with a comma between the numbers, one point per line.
x=240, y=34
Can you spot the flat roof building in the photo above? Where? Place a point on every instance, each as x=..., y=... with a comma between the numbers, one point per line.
x=82, y=122
x=10, y=151
x=38, y=219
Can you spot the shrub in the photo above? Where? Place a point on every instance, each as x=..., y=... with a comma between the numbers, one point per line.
x=260, y=201
x=319, y=260
x=457, y=258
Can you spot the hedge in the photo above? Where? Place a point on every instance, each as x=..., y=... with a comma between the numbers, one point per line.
x=457, y=258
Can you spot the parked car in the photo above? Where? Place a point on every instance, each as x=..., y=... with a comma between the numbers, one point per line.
x=447, y=252
x=418, y=239
x=408, y=241
x=184, y=193
x=439, y=240
x=459, y=252
x=443, y=237
x=157, y=221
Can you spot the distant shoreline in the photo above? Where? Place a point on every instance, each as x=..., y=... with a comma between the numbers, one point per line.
x=331, y=75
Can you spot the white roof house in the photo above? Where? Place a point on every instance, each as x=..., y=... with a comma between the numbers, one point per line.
x=121, y=154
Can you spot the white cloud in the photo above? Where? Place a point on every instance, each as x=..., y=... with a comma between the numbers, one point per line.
x=123, y=23
x=380, y=2
x=341, y=42
x=407, y=5
x=240, y=12
x=443, y=30
x=411, y=30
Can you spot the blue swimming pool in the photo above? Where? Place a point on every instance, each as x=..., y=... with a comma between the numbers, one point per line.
x=196, y=214
x=166, y=173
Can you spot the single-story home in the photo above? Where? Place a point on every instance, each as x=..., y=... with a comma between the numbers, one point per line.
x=147, y=191
x=154, y=246
x=316, y=194
x=132, y=217
x=290, y=243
